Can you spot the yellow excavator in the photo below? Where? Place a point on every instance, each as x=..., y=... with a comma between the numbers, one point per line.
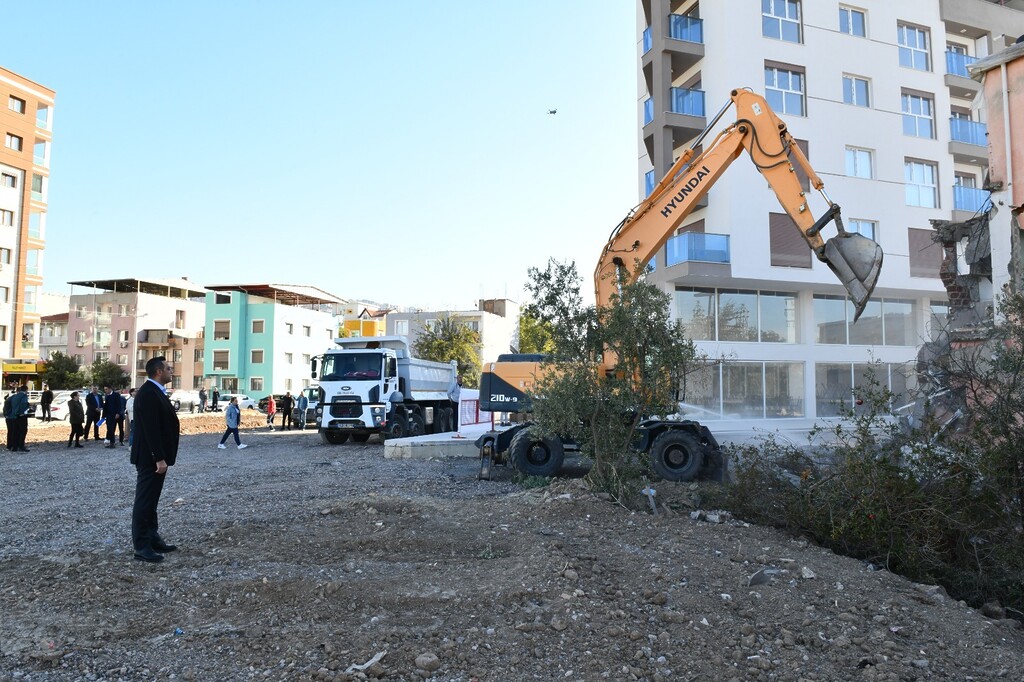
x=685, y=449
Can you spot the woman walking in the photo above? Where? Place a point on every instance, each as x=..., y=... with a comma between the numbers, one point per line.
x=233, y=418
x=271, y=411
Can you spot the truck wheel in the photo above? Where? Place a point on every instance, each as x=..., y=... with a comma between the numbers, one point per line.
x=441, y=422
x=449, y=419
x=533, y=456
x=394, y=429
x=360, y=437
x=677, y=456
x=333, y=437
x=417, y=427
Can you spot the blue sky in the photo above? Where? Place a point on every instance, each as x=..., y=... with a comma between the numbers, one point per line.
x=399, y=151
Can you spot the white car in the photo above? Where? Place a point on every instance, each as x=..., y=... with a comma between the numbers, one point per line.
x=244, y=401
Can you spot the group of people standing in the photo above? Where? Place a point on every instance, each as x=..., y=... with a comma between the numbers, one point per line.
x=110, y=408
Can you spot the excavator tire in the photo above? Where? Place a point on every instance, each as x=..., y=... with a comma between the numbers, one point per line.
x=677, y=456
x=533, y=456
x=333, y=437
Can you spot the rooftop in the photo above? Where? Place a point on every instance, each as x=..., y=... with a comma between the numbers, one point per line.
x=286, y=294
x=171, y=288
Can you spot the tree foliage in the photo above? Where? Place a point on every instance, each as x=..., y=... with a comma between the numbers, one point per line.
x=106, y=373
x=534, y=334
x=449, y=340
x=61, y=372
x=576, y=399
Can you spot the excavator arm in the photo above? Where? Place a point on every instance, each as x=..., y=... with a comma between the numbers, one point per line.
x=855, y=259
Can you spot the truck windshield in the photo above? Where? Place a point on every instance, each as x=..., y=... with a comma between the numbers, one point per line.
x=338, y=366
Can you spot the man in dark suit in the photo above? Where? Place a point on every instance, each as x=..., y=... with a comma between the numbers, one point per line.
x=154, y=449
x=93, y=407
x=113, y=412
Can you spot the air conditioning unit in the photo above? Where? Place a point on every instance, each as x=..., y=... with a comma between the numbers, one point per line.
x=124, y=344
x=80, y=344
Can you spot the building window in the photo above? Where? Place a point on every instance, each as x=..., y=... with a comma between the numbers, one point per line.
x=16, y=104
x=255, y=384
x=780, y=19
x=122, y=359
x=431, y=324
x=401, y=327
x=784, y=90
x=197, y=355
x=913, y=43
x=103, y=356
x=859, y=163
x=5, y=256
x=888, y=322
x=176, y=355
x=289, y=327
x=122, y=336
x=918, y=116
x=852, y=22
x=288, y=357
x=222, y=330
x=855, y=91
x=220, y=360
x=3, y=332
x=862, y=227
x=731, y=315
x=256, y=357
x=287, y=384
x=921, y=184
x=305, y=358
x=5, y=294
x=6, y=217
x=258, y=326
x=80, y=312
x=306, y=331
x=924, y=252
x=222, y=298
x=8, y=180
x=122, y=310
x=80, y=338
x=179, y=319
x=787, y=245
x=13, y=142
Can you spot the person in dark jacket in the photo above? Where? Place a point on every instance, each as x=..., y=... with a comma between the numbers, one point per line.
x=286, y=407
x=76, y=415
x=154, y=449
x=93, y=408
x=17, y=420
x=113, y=413
x=45, y=400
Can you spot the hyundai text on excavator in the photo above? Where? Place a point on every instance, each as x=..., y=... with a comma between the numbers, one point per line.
x=680, y=450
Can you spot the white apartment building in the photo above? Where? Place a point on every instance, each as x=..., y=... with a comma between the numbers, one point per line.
x=877, y=94
x=496, y=320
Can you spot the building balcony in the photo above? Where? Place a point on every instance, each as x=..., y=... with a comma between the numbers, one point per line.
x=698, y=254
x=968, y=141
x=154, y=337
x=957, y=78
x=684, y=43
x=956, y=64
x=686, y=114
x=969, y=201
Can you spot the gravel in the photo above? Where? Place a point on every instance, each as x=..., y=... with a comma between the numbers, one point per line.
x=303, y=561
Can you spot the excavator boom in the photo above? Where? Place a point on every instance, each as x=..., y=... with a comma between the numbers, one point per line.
x=855, y=259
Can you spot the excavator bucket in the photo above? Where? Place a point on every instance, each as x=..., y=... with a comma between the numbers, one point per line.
x=856, y=261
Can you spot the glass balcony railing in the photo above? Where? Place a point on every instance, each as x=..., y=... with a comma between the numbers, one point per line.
x=970, y=199
x=37, y=196
x=39, y=161
x=685, y=28
x=971, y=132
x=687, y=101
x=956, y=64
x=647, y=40
x=697, y=246
x=648, y=183
x=648, y=111
x=28, y=345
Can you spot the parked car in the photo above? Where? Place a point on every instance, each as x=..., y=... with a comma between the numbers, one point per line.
x=313, y=394
x=188, y=400
x=277, y=401
x=244, y=401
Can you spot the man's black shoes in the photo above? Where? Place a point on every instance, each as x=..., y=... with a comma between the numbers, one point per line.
x=148, y=555
x=161, y=546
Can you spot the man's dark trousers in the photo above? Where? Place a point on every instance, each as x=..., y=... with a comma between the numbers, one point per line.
x=148, y=486
x=92, y=418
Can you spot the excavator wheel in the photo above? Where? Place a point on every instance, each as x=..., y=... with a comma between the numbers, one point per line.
x=677, y=455
x=533, y=456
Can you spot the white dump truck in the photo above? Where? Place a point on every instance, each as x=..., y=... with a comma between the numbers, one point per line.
x=373, y=384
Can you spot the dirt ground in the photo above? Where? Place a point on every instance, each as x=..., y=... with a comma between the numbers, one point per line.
x=303, y=561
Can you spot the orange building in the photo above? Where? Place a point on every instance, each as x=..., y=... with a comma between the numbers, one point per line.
x=26, y=122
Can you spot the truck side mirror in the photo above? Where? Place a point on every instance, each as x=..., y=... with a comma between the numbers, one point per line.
x=312, y=372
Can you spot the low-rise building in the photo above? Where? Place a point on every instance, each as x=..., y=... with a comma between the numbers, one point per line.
x=261, y=338
x=496, y=320
x=54, y=335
